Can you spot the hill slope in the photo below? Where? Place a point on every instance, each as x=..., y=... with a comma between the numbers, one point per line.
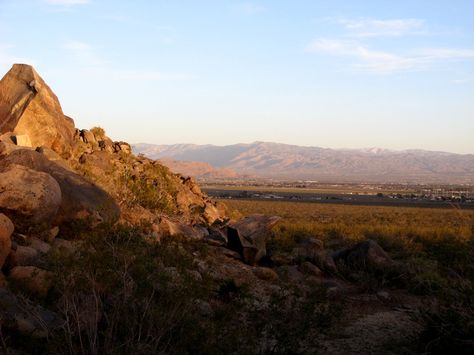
x=282, y=161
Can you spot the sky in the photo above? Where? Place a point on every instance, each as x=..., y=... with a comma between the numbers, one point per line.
x=336, y=74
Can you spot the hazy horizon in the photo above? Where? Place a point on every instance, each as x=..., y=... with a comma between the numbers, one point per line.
x=341, y=75
x=300, y=145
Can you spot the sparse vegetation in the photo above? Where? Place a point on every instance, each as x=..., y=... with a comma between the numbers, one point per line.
x=154, y=188
x=122, y=293
x=434, y=249
x=99, y=132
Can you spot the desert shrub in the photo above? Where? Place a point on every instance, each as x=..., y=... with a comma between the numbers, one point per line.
x=122, y=293
x=117, y=297
x=448, y=329
x=154, y=188
x=99, y=132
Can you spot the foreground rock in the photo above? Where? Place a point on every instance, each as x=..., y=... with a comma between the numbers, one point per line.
x=32, y=279
x=32, y=113
x=364, y=255
x=249, y=236
x=24, y=318
x=28, y=196
x=6, y=230
x=80, y=198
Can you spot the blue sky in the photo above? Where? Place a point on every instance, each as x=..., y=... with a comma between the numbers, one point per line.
x=339, y=74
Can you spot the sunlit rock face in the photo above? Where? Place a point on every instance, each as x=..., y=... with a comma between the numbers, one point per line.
x=31, y=111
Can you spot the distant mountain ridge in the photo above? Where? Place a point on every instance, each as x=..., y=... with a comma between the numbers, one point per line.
x=283, y=161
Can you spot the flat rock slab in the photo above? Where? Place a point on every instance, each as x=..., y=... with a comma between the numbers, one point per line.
x=249, y=236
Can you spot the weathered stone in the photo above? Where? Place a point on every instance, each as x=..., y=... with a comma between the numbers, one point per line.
x=211, y=213
x=28, y=196
x=249, y=235
x=174, y=229
x=107, y=145
x=290, y=273
x=23, y=140
x=80, y=198
x=53, y=233
x=281, y=259
x=6, y=230
x=88, y=137
x=64, y=246
x=307, y=249
x=29, y=107
x=32, y=279
x=22, y=256
x=26, y=319
x=325, y=262
x=39, y=245
x=265, y=273
x=123, y=147
x=364, y=255
x=309, y=269
x=216, y=237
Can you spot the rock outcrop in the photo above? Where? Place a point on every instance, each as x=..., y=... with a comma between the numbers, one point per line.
x=80, y=198
x=249, y=236
x=364, y=255
x=32, y=113
x=6, y=230
x=28, y=196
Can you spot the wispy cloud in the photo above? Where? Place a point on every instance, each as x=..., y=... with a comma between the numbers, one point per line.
x=66, y=2
x=369, y=27
x=83, y=54
x=86, y=58
x=460, y=81
x=250, y=8
x=358, y=35
x=387, y=62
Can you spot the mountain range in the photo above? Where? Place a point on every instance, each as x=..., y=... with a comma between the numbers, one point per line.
x=292, y=162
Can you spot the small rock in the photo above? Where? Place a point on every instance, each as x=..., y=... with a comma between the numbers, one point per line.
x=290, y=273
x=195, y=275
x=384, y=296
x=32, y=279
x=3, y=280
x=39, y=245
x=23, y=256
x=309, y=269
x=307, y=249
x=216, y=237
x=64, y=246
x=281, y=259
x=6, y=230
x=325, y=262
x=365, y=255
x=265, y=273
x=53, y=233
x=230, y=253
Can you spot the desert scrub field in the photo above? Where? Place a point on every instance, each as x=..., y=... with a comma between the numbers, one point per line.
x=434, y=249
x=401, y=229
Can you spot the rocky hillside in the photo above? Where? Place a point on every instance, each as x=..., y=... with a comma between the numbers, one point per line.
x=201, y=171
x=282, y=161
x=105, y=252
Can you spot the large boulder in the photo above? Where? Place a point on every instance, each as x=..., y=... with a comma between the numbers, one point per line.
x=30, y=110
x=364, y=255
x=249, y=236
x=80, y=198
x=28, y=197
x=6, y=230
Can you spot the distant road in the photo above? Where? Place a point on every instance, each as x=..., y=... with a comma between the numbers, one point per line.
x=368, y=200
